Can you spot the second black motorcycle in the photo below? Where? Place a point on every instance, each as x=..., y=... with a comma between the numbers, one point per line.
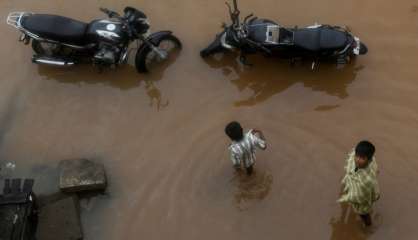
x=62, y=41
x=254, y=35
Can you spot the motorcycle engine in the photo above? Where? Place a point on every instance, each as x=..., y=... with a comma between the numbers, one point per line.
x=107, y=55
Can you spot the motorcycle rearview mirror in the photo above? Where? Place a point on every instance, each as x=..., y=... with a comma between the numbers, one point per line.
x=105, y=10
x=234, y=15
x=235, y=6
x=236, y=10
x=229, y=8
x=110, y=13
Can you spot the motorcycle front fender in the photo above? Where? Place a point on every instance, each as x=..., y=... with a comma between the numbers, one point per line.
x=215, y=47
x=154, y=38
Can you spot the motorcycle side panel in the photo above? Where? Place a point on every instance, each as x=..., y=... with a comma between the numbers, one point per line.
x=263, y=31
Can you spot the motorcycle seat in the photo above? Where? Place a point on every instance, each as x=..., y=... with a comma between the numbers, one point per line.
x=56, y=28
x=317, y=39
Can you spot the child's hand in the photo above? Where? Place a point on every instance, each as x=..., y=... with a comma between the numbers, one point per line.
x=259, y=133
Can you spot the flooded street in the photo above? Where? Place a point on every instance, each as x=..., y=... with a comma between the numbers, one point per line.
x=160, y=136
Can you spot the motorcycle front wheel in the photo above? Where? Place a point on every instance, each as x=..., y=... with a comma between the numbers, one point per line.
x=149, y=60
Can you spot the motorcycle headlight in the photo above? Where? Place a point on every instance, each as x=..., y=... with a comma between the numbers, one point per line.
x=141, y=25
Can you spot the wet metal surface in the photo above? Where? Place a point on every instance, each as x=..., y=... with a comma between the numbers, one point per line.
x=161, y=139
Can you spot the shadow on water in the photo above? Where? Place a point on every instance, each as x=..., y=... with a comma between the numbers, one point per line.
x=271, y=76
x=251, y=189
x=155, y=96
x=348, y=225
x=124, y=77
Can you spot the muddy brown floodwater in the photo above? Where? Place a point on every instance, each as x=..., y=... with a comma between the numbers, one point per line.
x=161, y=136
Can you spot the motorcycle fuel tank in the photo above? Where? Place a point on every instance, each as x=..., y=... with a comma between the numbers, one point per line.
x=106, y=31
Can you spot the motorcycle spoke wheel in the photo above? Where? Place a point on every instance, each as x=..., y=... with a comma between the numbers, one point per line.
x=169, y=48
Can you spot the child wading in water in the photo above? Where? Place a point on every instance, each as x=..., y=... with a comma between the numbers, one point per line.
x=242, y=148
x=361, y=188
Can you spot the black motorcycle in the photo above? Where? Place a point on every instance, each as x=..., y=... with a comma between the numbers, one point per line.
x=254, y=35
x=61, y=41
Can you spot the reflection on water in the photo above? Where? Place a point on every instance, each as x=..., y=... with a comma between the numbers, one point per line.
x=251, y=189
x=163, y=188
x=270, y=76
x=348, y=225
x=123, y=78
x=324, y=108
x=155, y=96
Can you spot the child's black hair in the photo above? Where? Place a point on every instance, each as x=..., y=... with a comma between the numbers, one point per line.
x=234, y=131
x=365, y=149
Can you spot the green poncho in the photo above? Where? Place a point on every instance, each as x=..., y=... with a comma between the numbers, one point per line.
x=361, y=188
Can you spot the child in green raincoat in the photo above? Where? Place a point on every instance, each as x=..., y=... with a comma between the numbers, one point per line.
x=361, y=188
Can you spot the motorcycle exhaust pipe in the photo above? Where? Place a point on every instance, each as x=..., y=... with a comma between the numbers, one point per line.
x=52, y=61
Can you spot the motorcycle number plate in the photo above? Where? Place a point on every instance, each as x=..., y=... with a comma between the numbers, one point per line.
x=356, y=50
x=272, y=34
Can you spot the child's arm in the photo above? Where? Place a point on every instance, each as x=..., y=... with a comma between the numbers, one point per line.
x=236, y=161
x=259, y=140
x=260, y=134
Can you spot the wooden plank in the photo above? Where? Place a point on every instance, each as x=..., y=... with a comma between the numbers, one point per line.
x=28, y=185
x=7, y=189
x=16, y=183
